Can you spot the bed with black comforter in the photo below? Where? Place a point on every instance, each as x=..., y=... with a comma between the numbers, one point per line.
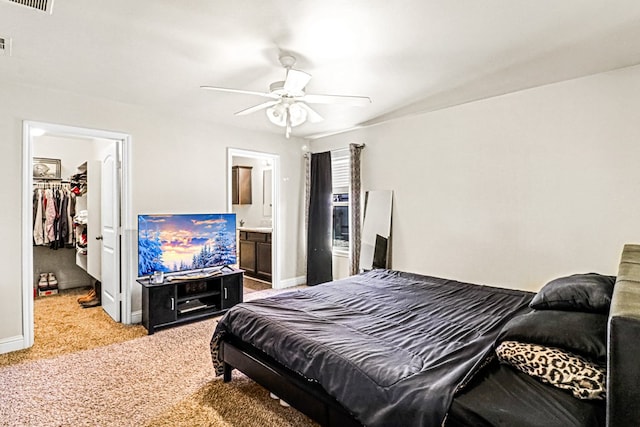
x=388, y=348
x=391, y=347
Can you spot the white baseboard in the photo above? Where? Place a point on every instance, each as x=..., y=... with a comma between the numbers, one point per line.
x=288, y=283
x=7, y=345
x=136, y=317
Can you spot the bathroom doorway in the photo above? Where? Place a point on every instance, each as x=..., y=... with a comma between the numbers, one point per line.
x=253, y=195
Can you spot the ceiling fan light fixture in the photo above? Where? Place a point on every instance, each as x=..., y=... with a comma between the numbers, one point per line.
x=297, y=114
x=278, y=113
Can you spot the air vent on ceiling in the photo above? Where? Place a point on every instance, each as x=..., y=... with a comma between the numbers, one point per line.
x=42, y=5
x=5, y=46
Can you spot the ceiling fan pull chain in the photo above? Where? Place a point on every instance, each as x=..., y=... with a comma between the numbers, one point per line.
x=288, y=130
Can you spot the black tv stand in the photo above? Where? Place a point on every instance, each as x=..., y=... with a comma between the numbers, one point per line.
x=180, y=299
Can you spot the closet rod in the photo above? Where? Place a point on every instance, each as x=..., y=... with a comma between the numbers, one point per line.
x=49, y=184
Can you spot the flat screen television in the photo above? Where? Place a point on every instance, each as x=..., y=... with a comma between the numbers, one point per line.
x=183, y=242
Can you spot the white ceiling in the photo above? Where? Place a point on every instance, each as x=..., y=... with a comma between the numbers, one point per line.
x=408, y=56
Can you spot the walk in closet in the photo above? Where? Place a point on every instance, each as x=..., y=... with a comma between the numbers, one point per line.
x=66, y=216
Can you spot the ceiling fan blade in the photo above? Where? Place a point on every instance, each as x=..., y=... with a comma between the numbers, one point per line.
x=312, y=115
x=246, y=92
x=335, y=99
x=256, y=108
x=296, y=81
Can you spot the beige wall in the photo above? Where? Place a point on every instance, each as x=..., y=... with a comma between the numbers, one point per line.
x=514, y=190
x=509, y=191
x=179, y=165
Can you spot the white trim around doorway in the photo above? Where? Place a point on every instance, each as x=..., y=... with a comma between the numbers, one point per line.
x=277, y=254
x=126, y=224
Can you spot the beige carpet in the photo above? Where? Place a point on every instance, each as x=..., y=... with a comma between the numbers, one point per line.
x=62, y=326
x=158, y=380
x=239, y=403
x=253, y=285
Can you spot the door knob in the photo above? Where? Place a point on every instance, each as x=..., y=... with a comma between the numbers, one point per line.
x=98, y=237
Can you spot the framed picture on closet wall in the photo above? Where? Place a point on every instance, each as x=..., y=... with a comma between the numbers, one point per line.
x=46, y=168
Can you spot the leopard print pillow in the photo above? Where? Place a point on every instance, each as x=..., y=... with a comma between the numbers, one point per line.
x=584, y=379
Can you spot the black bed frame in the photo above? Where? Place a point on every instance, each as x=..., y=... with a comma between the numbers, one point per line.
x=623, y=370
x=306, y=396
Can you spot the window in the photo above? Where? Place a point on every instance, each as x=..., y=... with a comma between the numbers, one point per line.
x=340, y=176
x=341, y=222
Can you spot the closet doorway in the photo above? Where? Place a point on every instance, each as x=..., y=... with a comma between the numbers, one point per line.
x=258, y=216
x=86, y=162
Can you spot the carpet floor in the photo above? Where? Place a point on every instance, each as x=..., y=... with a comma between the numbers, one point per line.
x=165, y=379
x=62, y=326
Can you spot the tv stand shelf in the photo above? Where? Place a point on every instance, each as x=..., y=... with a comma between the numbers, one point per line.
x=202, y=295
x=186, y=300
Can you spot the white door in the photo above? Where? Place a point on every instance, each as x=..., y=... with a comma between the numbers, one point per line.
x=110, y=219
x=94, y=226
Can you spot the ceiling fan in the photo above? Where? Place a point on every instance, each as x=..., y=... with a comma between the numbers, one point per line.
x=287, y=104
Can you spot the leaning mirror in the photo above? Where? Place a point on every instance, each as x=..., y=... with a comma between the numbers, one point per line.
x=376, y=229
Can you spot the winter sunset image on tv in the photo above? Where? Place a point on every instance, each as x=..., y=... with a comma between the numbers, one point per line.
x=181, y=242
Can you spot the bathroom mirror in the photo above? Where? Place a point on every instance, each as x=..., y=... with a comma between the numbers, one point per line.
x=376, y=230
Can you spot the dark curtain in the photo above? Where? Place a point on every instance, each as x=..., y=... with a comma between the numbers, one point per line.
x=320, y=218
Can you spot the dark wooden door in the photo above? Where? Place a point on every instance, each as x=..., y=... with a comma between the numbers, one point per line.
x=248, y=257
x=241, y=185
x=231, y=290
x=263, y=260
x=161, y=306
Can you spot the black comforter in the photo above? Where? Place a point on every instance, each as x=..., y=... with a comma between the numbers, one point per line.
x=391, y=347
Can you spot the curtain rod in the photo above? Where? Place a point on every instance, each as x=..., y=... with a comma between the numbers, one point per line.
x=339, y=149
x=346, y=148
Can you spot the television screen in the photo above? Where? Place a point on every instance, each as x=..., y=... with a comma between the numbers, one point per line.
x=181, y=242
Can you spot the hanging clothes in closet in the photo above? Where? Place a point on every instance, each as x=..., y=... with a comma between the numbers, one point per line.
x=53, y=211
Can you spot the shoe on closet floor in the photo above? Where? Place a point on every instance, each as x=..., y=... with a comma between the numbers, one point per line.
x=43, y=283
x=88, y=297
x=91, y=303
x=53, y=282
